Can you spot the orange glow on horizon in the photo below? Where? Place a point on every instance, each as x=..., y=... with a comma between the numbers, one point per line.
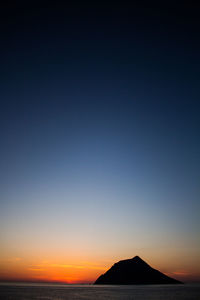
x=79, y=270
x=83, y=272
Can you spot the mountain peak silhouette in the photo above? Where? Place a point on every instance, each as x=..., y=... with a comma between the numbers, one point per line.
x=134, y=271
x=137, y=259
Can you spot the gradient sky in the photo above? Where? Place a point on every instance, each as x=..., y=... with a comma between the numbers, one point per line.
x=100, y=143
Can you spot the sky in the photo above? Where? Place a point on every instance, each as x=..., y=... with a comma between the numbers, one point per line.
x=99, y=156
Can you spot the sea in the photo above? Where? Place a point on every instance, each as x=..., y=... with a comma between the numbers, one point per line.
x=22, y=291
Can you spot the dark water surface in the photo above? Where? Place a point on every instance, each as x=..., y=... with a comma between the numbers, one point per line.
x=74, y=292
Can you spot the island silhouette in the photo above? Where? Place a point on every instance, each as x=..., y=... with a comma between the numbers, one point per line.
x=134, y=271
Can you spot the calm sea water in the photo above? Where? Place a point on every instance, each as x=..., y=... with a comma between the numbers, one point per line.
x=74, y=292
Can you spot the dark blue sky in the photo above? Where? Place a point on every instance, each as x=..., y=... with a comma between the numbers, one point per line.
x=101, y=104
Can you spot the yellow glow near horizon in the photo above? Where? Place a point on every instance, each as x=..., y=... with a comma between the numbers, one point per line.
x=84, y=271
